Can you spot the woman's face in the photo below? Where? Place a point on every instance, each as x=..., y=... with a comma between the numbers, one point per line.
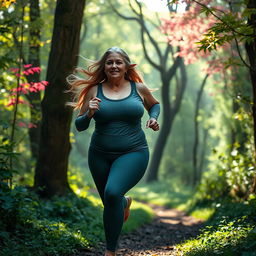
x=115, y=66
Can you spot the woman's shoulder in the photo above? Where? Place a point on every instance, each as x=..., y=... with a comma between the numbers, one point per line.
x=141, y=87
x=92, y=92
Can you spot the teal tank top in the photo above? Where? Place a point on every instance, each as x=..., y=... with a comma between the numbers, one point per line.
x=118, y=123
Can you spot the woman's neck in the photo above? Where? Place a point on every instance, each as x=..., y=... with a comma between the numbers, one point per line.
x=116, y=82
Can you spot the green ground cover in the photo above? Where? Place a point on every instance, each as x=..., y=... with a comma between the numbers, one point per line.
x=60, y=226
x=230, y=226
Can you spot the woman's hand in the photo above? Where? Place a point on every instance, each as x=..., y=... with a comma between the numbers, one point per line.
x=153, y=124
x=93, y=106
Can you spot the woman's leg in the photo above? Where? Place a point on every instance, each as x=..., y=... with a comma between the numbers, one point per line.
x=125, y=172
x=99, y=164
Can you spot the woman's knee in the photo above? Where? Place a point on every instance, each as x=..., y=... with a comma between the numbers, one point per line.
x=112, y=196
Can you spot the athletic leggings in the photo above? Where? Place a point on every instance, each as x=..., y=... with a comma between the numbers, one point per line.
x=114, y=175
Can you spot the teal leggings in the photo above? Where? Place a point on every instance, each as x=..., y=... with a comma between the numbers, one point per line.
x=114, y=175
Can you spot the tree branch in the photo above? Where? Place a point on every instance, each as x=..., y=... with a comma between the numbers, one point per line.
x=140, y=20
x=220, y=19
x=120, y=14
x=155, y=65
x=167, y=51
x=153, y=42
x=240, y=55
x=180, y=90
x=173, y=68
x=18, y=46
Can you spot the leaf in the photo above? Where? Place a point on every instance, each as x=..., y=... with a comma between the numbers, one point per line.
x=248, y=12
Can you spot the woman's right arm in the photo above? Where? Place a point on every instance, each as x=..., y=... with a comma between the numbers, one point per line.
x=90, y=105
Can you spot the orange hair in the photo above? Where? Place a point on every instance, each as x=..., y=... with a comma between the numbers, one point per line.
x=95, y=75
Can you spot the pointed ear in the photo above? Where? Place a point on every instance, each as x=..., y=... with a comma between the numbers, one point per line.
x=132, y=66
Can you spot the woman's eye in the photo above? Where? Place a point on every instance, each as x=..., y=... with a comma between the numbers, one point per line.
x=117, y=62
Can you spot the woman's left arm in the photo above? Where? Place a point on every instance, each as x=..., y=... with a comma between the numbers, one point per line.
x=151, y=105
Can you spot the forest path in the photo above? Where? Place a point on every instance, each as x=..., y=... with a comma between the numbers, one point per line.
x=158, y=238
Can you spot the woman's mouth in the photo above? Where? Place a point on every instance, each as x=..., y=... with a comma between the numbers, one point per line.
x=114, y=71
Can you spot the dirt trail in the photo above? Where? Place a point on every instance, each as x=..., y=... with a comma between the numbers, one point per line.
x=158, y=238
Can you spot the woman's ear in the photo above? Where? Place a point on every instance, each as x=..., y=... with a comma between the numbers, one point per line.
x=132, y=66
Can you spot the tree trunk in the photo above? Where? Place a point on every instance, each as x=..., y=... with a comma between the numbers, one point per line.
x=196, y=141
x=34, y=97
x=169, y=114
x=166, y=73
x=251, y=52
x=52, y=164
x=160, y=144
x=202, y=155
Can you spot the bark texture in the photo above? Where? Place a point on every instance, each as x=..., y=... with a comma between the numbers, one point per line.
x=34, y=97
x=251, y=52
x=196, y=127
x=52, y=164
x=170, y=110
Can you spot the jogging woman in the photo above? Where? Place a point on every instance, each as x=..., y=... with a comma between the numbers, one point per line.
x=113, y=94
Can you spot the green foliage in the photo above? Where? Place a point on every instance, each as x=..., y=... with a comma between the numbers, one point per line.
x=59, y=226
x=29, y=225
x=231, y=231
x=233, y=176
x=230, y=26
x=169, y=193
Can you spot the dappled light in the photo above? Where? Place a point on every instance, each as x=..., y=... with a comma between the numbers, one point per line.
x=127, y=128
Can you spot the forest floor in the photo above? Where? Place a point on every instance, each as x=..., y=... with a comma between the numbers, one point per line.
x=158, y=238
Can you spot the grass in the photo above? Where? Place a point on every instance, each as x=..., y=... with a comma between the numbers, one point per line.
x=230, y=226
x=230, y=231
x=169, y=194
x=70, y=224
x=60, y=226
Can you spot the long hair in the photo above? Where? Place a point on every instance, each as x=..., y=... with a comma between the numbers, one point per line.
x=95, y=74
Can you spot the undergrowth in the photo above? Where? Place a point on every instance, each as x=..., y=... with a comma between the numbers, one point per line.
x=230, y=231
x=229, y=225
x=60, y=226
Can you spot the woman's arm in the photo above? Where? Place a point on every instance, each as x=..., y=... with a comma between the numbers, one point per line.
x=87, y=110
x=151, y=104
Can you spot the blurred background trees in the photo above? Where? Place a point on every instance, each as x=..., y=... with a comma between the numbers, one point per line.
x=207, y=133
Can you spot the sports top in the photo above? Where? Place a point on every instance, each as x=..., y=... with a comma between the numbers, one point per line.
x=118, y=123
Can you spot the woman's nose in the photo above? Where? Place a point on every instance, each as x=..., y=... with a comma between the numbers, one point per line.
x=114, y=64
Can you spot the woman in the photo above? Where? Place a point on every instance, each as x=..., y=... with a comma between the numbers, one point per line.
x=115, y=97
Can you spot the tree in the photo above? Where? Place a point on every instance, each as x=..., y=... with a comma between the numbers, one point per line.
x=183, y=30
x=32, y=40
x=235, y=28
x=34, y=59
x=196, y=165
x=52, y=164
x=167, y=72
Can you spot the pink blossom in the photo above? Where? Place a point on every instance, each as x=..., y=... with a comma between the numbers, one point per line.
x=36, y=69
x=31, y=71
x=184, y=30
x=21, y=124
x=14, y=70
x=13, y=101
x=45, y=83
x=27, y=66
x=20, y=90
x=31, y=125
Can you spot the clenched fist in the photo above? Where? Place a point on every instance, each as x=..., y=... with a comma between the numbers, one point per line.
x=93, y=106
x=153, y=124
